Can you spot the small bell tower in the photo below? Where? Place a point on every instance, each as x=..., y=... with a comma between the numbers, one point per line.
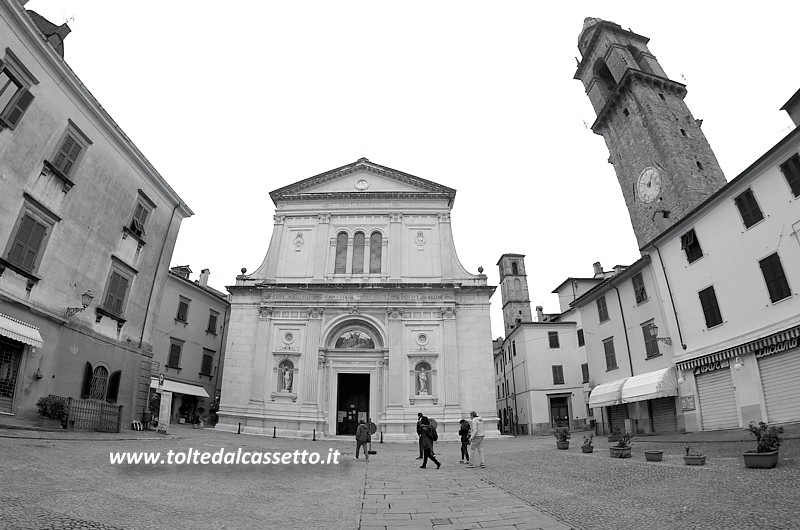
x=514, y=291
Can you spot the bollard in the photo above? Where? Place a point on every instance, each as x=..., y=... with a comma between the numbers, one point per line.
x=274, y=430
x=381, y=436
x=240, y=429
x=314, y=439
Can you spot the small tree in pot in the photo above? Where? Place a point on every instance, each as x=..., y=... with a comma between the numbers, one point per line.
x=623, y=447
x=768, y=439
x=562, y=438
x=587, y=446
x=693, y=458
x=52, y=412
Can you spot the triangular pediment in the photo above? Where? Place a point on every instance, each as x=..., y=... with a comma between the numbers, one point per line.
x=362, y=178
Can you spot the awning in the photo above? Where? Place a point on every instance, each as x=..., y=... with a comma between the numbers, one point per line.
x=652, y=385
x=18, y=330
x=180, y=388
x=607, y=394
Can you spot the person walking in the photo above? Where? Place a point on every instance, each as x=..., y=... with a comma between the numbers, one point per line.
x=478, y=432
x=419, y=433
x=428, y=436
x=362, y=438
x=463, y=431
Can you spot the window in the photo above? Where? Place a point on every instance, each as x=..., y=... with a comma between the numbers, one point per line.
x=611, y=357
x=175, y=350
x=514, y=268
x=183, y=309
x=97, y=384
x=514, y=347
x=585, y=372
x=375, y=252
x=558, y=374
x=208, y=360
x=581, y=340
x=119, y=281
x=602, y=309
x=340, y=266
x=773, y=273
x=650, y=342
x=28, y=241
x=748, y=208
x=708, y=300
x=498, y=391
x=791, y=170
x=144, y=206
x=15, y=96
x=68, y=155
x=552, y=338
x=358, y=253
x=638, y=288
x=212, y=322
x=691, y=245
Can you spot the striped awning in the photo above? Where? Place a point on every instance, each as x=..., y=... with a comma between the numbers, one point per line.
x=652, y=385
x=19, y=330
x=607, y=394
x=754, y=345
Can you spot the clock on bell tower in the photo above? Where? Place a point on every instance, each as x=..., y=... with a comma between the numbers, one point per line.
x=661, y=157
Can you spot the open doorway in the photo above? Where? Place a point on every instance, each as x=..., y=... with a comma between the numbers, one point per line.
x=352, y=403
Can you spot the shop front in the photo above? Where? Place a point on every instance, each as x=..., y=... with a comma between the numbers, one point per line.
x=16, y=337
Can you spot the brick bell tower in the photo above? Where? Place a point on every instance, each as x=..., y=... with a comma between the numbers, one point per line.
x=514, y=291
x=663, y=161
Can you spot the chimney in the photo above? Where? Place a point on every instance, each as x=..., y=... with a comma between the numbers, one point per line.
x=792, y=107
x=55, y=35
x=539, y=313
x=619, y=268
x=598, y=269
x=204, y=277
x=661, y=219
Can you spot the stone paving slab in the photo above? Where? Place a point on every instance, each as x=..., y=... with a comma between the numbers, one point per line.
x=398, y=494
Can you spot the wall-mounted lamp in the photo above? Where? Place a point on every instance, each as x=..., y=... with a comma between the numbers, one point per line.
x=86, y=300
x=738, y=364
x=37, y=374
x=654, y=335
x=681, y=380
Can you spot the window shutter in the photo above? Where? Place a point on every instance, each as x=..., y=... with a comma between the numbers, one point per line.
x=87, y=381
x=112, y=288
x=26, y=244
x=791, y=170
x=113, y=386
x=72, y=157
x=23, y=234
x=775, y=278
x=61, y=156
x=17, y=108
x=174, y=354
x=122, y=286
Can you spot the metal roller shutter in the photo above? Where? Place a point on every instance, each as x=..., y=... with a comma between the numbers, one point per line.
x=662, y=413
x=717, y=400
x=780, y=378
x=617, y=414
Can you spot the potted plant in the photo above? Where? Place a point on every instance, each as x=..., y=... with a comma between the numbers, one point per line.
x=52, y=412
x=653, y=456
x=587, y=446
x=768, y=440
x=615, y=435
x=562, y=438
x=623, y=447
x=196, y=422
x=693, y=458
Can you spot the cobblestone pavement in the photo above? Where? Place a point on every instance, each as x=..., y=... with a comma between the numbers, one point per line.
x=398, y=494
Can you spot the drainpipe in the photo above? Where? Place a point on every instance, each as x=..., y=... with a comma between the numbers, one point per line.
x=225, y=320
x=505, y=381
x=672, y=301
x=624, y=328
x=514, y=416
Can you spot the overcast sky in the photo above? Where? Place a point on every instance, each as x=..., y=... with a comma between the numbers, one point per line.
x=230, y=101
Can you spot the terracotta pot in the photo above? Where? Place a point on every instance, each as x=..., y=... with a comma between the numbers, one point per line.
x=562, y=445
x=695, y=460
x=653, y=456
x=587, y=448
x=620, y=452
x=614, y=438
x=756, y=460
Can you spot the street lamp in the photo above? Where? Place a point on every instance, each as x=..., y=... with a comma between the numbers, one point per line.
x=654, y=335
x=86, y=300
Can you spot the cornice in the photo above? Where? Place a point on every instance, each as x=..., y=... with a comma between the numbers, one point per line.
x=612, y=28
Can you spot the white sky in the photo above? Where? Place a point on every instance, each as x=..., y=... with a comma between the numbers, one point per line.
x=230, y=103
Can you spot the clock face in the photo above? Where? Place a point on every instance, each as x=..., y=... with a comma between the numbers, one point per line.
x=649, y=185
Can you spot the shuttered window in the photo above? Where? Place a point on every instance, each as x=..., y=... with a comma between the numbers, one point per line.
x=212, y=322
x=27, y=243
x=341, y=254
x=581, y=340
x=67, y=154
x=773, y=273
x=708, y=300
x=183, y=309
x=748, y=208
x=175, y=348
x=558, y=374
x=585, y=372
x=208, y=359
x=691, y=245
x=375, y=252
x=791, y=170
x=15, y=98
x=611, y=356
x=552, y=337
x=650, y=342
x=602, y=309
x=139, y=218
x=115, y=297
x=638, y=288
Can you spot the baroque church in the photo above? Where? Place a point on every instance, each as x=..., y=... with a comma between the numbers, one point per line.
x=359, y=311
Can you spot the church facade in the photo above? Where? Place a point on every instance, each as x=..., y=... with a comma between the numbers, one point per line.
x=359, y=311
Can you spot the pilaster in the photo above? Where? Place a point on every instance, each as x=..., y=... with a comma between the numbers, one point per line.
x=309, y=360
x=395, y=246
x=262, y=351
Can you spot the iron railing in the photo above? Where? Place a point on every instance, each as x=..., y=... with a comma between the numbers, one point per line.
x=91, y=415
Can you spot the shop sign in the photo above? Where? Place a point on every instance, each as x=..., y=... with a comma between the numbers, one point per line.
x=787, y=344
x=687, y=402
x=710, y=367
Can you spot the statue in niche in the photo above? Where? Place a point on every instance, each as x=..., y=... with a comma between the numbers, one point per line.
x=287, y=378
x=423, y=383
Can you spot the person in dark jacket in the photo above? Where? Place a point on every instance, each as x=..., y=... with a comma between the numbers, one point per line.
x=362, y=438
x=463, y=431
x=419, y=433
x=428, y=436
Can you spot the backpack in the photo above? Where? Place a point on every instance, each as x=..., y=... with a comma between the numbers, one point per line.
x=433, y=435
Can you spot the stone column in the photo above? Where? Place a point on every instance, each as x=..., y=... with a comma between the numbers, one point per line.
x=309, y=359
x=395, y=246
x=320, y=247
x=395, y=334
x=450, y=354
x=262, y=352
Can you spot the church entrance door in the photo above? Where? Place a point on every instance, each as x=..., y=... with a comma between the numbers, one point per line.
x=352, y=403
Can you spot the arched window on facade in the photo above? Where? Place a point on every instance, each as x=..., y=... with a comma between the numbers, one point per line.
x=285, y=376
x=99, y=382
x=423, y=379
x=375, y=250
x=514, y=268
x=358, y=253
x=605, y=80
x=340, y=266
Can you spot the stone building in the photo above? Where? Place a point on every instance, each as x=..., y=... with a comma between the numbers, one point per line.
x=359, y=311
x=87, y=227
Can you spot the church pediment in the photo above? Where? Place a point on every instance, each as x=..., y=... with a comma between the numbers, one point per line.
x=362, y=178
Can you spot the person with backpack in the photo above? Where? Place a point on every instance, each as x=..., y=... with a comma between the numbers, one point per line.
x=478, y=432
x=362, y=438
x=428, y=436
x=463, y=431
